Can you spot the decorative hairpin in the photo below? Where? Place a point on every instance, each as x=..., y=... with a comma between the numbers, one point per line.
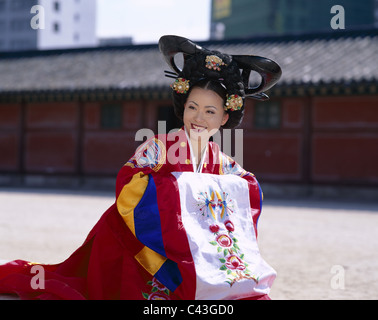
x=234, y=102
x=180, y=85
x=214, y=62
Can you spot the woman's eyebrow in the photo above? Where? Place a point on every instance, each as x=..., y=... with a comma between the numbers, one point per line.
x=194, y=102
x=213, y=107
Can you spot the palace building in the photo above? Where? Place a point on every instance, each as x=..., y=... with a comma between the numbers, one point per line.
x=72, y=114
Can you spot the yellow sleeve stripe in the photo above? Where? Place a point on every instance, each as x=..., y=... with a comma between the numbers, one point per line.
x=150, y=260
x=129, y=198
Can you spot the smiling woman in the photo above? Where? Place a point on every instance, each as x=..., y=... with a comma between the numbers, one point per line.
x=184, y=222
x=204, y=114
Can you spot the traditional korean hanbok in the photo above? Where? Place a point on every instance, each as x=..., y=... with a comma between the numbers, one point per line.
x=177, y=230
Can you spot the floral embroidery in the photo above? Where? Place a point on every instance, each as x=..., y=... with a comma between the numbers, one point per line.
x=151, y=154
x=229, y=166
x=219, y=209
x=231, y=257
x=158, y=291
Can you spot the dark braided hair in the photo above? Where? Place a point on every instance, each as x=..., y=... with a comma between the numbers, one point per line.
x=225, y=82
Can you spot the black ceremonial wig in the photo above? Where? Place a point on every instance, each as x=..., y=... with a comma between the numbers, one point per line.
x=226, y=75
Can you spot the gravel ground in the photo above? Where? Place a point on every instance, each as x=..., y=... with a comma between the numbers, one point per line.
x=320, y=249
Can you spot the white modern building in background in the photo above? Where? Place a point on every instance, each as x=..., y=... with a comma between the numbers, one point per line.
x=51, y=24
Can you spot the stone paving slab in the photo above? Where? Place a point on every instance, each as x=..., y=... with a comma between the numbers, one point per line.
x=320, y=249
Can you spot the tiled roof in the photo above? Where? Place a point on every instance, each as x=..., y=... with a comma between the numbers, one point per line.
x=338, y=58
x=312, y=61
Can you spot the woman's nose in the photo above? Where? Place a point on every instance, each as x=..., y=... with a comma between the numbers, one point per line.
x=199, y=116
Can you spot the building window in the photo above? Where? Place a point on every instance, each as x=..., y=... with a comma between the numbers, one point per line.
x=56, y=27
x=21, y=44
x=56, y=6
x=2, y=5
x=267, y=115
x=19, y=25
x=17, y=4
x=3, y=27
x=111, y=116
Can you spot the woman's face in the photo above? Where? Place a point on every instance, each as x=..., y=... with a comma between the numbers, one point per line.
x=203, y=113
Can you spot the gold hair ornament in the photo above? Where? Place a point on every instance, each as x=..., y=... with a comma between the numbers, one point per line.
x=180, y=85
x=233, y=102
x=214, y=62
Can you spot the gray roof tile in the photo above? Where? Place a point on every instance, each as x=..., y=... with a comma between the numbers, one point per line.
x=303, y=61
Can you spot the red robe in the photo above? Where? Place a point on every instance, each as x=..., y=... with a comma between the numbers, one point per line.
x=138, y=249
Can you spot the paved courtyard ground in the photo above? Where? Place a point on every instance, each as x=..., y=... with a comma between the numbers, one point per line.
x=321, y=249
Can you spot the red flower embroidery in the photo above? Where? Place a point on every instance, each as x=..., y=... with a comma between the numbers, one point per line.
x=214, y=228
x=229, y=253
x=158, y=285
x=224, y=241
x=158, y=291
x=229, y=226
x=235, y=263
x=158, y=296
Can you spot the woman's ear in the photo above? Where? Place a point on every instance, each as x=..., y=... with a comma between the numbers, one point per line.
x=225, y=118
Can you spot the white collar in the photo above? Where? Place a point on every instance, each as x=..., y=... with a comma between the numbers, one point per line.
x=193, y=159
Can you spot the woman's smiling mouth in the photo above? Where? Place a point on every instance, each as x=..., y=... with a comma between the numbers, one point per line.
x=197, y=128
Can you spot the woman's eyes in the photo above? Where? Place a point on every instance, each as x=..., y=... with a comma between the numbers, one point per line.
x=207, y=111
